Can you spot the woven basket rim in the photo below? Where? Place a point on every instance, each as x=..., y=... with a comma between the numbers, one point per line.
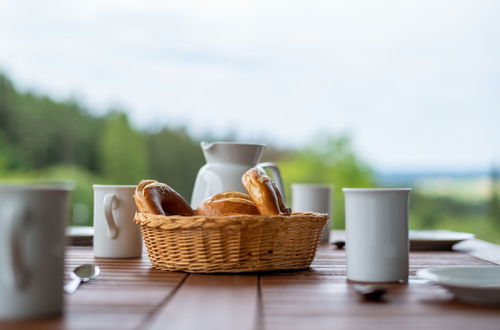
x=231, y=244
x=185, y=222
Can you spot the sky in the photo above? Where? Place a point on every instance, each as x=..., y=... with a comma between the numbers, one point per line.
x=416, y=84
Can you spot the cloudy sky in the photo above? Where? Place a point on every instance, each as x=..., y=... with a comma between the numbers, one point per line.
x=415, y=83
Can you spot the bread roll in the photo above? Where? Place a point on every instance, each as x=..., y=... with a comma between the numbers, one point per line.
x=264, y=193
x=140, y=202
x=281, y=201
x=158, y=198
x=227, y=203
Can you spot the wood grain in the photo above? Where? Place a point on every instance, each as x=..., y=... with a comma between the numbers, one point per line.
x=124, y=295
x=321, y=298
x=211, y=302
x=130, y=294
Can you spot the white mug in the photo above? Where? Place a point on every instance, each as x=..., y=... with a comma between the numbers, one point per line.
x=116, y=235
x=32, y=224
x=377, y=234
x=313, y=198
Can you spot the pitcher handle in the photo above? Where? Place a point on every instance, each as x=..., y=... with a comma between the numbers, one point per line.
x=276, y=176
x=18, y=277
x=110, y=203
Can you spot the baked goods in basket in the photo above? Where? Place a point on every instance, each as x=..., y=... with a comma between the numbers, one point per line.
x=264, y=198
x=264, y=193
x=158, y=198
x=220, y=238
x=227, y=203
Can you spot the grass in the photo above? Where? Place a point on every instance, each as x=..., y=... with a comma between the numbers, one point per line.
x=482, y=226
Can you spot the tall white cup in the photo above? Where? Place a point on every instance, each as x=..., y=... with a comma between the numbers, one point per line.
x=377, y=234
x=32, y=224
x=115, y=233
x=313, y=198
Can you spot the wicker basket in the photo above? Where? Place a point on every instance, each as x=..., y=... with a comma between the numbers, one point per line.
x=231, y=244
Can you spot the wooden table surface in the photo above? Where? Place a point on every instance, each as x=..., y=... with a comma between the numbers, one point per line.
x=130, y=294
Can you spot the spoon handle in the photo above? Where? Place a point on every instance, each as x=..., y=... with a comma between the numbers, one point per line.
x=72, y=285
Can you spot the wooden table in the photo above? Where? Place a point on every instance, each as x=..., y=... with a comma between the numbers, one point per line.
x=130, y=294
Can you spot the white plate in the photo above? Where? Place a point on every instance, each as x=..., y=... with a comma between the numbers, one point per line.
x=80, y=235
x=475, y=284
x=79, y=231
x=435, y=239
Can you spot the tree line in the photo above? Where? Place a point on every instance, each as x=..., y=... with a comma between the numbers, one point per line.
x=42, y=139
x=37, y=133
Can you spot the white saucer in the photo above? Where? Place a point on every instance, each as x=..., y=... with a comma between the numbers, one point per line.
x=421, y=240
x=474, y=284
x=80, y=235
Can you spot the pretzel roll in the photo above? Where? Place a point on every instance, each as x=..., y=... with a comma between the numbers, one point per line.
x=264, y=193
x=158, y=198
x=227, y=203
x=141, y=204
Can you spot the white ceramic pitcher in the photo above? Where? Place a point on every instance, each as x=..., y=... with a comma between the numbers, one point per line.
x=226, y=163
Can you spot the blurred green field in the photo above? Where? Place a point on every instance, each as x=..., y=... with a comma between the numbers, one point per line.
x=466, y=205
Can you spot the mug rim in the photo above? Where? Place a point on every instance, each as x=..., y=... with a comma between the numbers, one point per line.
x=235, y=142
x=367, y=190
x=312, y=185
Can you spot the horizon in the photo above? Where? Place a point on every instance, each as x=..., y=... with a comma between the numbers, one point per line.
x=417, y=98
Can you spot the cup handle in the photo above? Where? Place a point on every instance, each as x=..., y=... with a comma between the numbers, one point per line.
x=19, y=277
x=110, y=203
x=276, y=175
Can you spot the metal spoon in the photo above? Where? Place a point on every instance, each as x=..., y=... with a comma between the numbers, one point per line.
x=370, y=292
x=339, y=244
x=83, y=273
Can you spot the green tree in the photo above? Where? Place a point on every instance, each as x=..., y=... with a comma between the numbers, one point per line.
x=123, y=153
x=328, y=160
x=45, y=132
x=82, y=193
x=175, y=158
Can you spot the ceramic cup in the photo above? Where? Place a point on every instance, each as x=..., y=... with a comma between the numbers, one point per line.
x=116, y=235
x=32, y=223
x=313, y=198
x=377, y=234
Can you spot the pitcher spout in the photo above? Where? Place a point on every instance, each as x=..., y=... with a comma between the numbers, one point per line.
x=206, y=146
x=232, y=152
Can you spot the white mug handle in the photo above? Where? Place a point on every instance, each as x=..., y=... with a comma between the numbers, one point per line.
x=19, y=276
x=110, y=203
x=276, y=175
